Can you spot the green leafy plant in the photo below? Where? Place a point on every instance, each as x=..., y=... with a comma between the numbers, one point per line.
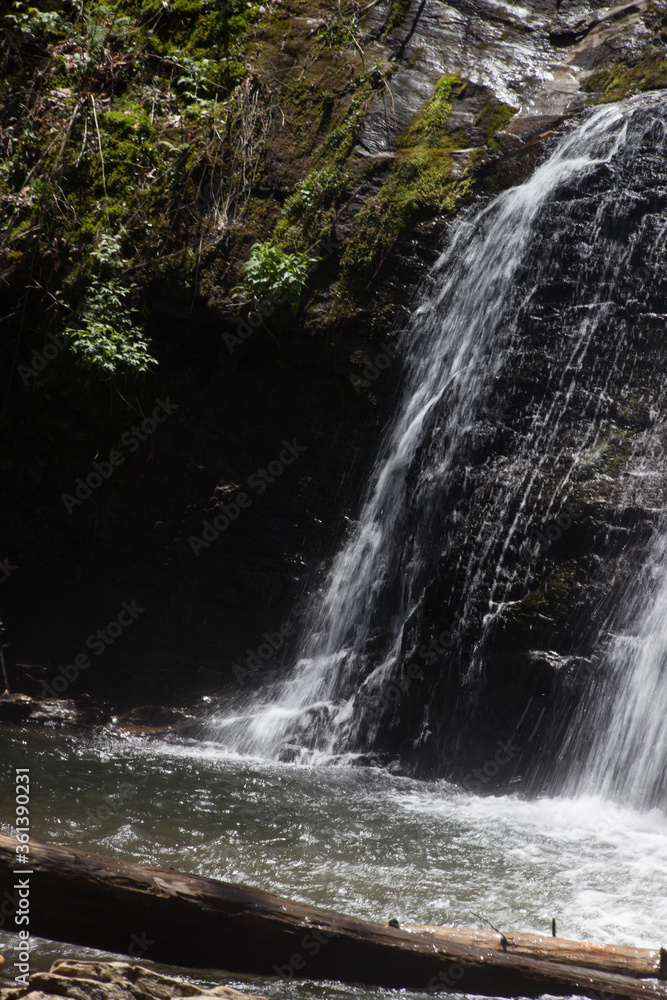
x=105, y=336
x=27, y=22
x=273, y=276
x=195, y=82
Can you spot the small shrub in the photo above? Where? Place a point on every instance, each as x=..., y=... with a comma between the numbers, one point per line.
x=272, y=275
x=105, y=336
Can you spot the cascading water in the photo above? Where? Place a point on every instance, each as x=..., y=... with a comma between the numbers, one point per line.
x=623, y=721
x=487, y=285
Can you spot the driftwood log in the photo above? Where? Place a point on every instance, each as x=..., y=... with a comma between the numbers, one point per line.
x=642, y=963
x=168, y=916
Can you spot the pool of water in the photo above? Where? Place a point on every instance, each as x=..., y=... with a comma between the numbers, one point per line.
x=360, y=840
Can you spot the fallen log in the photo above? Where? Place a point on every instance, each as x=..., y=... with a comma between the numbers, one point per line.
x=187, y=920
x=642, y=963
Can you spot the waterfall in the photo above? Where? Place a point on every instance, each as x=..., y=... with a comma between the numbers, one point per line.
x=622, y=722
x=462, y=340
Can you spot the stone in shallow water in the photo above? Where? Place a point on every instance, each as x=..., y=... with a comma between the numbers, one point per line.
x=111, y=981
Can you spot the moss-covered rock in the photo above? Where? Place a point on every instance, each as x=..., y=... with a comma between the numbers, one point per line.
x=625, y=79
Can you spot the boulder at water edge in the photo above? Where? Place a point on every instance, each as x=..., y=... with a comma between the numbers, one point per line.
x=110, y=981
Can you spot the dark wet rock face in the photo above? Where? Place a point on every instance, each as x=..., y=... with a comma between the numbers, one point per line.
x=558, y=501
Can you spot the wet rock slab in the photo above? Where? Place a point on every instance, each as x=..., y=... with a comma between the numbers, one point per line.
x=86, y=713
x=110, y=981
x=20, y=708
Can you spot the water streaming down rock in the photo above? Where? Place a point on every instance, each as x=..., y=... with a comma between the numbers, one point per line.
x=622, y=722
x=466, y=457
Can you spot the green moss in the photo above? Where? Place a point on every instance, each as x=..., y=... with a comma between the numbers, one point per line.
x=137, y=126
x=129, y=122
x=431, y=186
x=636, y=411
x=493, y=119
x=398, y=10
x=308, y=215
x=622, y=80
x=324, y=120
x=420, y=184
x=323, y=131
x=421, y=181
x=341, y=138
x=376, y=227
x=615, y=452
x=319, y=189
x=429, y=126
x=200, y=28
x=127, y=129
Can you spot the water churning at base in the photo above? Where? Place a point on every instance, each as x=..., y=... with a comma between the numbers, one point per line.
x=461, y=340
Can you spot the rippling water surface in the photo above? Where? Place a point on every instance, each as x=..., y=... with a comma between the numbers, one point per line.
x=355, y=839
